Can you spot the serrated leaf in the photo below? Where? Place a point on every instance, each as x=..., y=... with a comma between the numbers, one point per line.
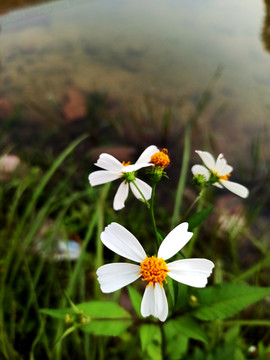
x=136, y=299
x=189, y=327
x=196, y=219
x=225, y=300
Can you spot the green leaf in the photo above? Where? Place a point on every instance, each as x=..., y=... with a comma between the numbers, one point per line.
x=225, y=300
x=232, y=334
x=136, y=299
x=187, y=326
x=150, y=336
x=182, y=295
x=57, y=313
x=160, y=236
x=172, y=289
x=106, y=327
x=105, y=318
x=103, y=309
x=172, y=337
x=196, y=219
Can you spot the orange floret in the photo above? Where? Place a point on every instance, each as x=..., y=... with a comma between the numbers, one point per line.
x=161, y=158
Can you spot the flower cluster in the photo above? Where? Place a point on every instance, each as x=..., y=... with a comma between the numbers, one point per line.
x=154, y=270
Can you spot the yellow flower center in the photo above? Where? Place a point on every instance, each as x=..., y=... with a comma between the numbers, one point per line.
x=223, y=177
x=161, y=158
x=125, y=163
x=154, y=270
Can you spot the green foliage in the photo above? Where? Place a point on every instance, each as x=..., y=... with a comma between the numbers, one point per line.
x=176, y=341
x=151, y=341
x=96, y=317
x=196, y=219
x=222, y=352
x=136, y=299
x=106, y=318
x=189, y=327
x=34, y=317
x=225, y=300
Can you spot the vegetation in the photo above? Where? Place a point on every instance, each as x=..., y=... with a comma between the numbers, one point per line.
x=51, y=306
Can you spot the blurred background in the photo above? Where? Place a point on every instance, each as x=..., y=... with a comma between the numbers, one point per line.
x=126, y=74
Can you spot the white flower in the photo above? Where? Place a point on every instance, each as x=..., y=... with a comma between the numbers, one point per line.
x=114, y=169
x=220, y=171
x=154, y=270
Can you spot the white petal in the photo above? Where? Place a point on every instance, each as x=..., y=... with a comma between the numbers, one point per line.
x=154, y=302
x=135, y=167
x=218, y=185
x=192, y=272
x=207, y=158
x=227, y=169
x=147, y=153
x=148, y=302
x=201, y=170
x=144, y=188
x=120, y=196
x=114, y=276
x=222, y=168
x=236, y=188
x=122, y=242
x=161, y=304
x=220, y=163
x=174, y=241
x=101, y=177
x=109, y=162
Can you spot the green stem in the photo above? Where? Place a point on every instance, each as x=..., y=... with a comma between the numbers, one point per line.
x=252, y=322
x=191, y=206
x=254, y=269
x=100, y=227
x=152, y=213
x=143, y=197
x=182, y=177
x=196, y=231
x=163, y=342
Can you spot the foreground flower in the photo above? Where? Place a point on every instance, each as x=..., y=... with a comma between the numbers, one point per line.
x=217, y=172
x=153, y=270
x=114, y=169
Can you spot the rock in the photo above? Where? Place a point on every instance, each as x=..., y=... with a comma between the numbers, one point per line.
x=75, y=107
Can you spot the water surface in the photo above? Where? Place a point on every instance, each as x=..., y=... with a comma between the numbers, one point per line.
x=170, y=49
